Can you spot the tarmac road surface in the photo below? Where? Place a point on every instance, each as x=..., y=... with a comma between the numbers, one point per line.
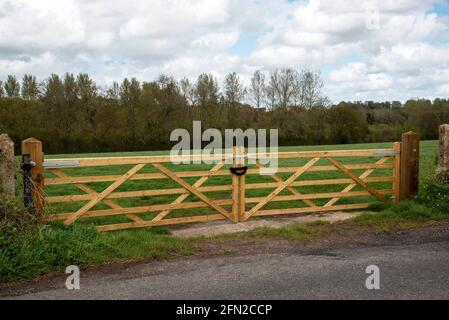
x=407, y=271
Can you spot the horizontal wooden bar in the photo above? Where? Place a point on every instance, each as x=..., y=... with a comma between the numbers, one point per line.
x=192, y=205
x=322, y=154
x=109, y=161
x=320, y=196
x=192, y=174
x=114, y=161
x=134, y=194
x=159, y=192
x=316, y=183
x=148, y=224
x=312, y=210
x=217, y=217
x=137, y=210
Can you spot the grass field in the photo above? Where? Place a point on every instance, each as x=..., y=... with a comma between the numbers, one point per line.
x=427, y=166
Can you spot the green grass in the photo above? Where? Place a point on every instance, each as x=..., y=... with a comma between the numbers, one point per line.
x=294, y=232
x=428, y=148
x=56, y=247
x=408, y=214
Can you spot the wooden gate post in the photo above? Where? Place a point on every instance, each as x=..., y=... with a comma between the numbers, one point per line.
x=235, y=189
x=409, y=166
x=238, y=185
x=397, y=172
x=33, y=148
x=7, y=167
x=242, y=185
x=443, y=157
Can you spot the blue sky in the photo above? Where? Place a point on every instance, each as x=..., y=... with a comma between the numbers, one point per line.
x=365, y=50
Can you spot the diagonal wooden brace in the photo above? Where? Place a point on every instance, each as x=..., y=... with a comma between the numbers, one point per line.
x=366, y=174
x=291, y=189
x=184, y=196
x=92, y=192
x=356, y=179
x=103, y=194
x=191, y=189
x=279, y=189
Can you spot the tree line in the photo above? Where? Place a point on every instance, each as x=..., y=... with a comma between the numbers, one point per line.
x=72, y=114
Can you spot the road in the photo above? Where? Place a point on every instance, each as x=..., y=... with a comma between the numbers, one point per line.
x=411, y=271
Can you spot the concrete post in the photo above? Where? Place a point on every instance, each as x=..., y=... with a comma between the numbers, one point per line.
x=7, y=167
x=443, y=157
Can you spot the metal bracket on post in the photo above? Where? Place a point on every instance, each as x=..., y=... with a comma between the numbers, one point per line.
x=27, y=165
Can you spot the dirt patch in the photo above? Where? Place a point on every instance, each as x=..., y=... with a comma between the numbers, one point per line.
x=211, y=229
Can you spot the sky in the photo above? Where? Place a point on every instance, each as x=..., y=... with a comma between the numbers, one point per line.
x=365, y=50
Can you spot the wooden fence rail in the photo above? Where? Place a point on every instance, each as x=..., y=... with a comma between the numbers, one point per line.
x=308, y=187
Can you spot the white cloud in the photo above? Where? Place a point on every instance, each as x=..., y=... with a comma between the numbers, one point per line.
x=404, y=56
x=215, y=41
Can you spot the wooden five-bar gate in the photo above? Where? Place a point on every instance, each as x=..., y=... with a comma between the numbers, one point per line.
x=239, y=194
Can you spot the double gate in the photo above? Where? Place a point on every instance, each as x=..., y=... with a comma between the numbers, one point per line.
x=118, y=193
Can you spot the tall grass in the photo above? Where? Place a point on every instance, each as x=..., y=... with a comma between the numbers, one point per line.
x=28, y=247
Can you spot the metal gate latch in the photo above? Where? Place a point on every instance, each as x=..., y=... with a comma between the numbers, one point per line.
x=241, y=171
x=27, y=164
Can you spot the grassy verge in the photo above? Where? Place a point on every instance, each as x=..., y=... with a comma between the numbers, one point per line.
x=55, y=247
x=401, y=216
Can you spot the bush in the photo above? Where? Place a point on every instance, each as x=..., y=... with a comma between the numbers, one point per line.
x=435, y=195
x=14, y=219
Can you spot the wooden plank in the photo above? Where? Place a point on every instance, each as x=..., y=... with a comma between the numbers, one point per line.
x=192, y=205
x=316, y=196
x=240, y=162
x=139, y=210
x=289, y=188
x=165, y=222
x=365, y=175
x=184, y=196
x=115, y=161
x=192, y=189
x=158, y=192
x=324, y=154
x=134, y=194
x=235, y=190
x=312, y=210
x=319, y=196
x=409, y=166
x=146, y=176
x=108, y=161
x=279, y=189
x=357, y=180
x=235, y=198
x=103, y=194
x=315, y=183
x=193, y=174
x=397, y=172
x=242, y=197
